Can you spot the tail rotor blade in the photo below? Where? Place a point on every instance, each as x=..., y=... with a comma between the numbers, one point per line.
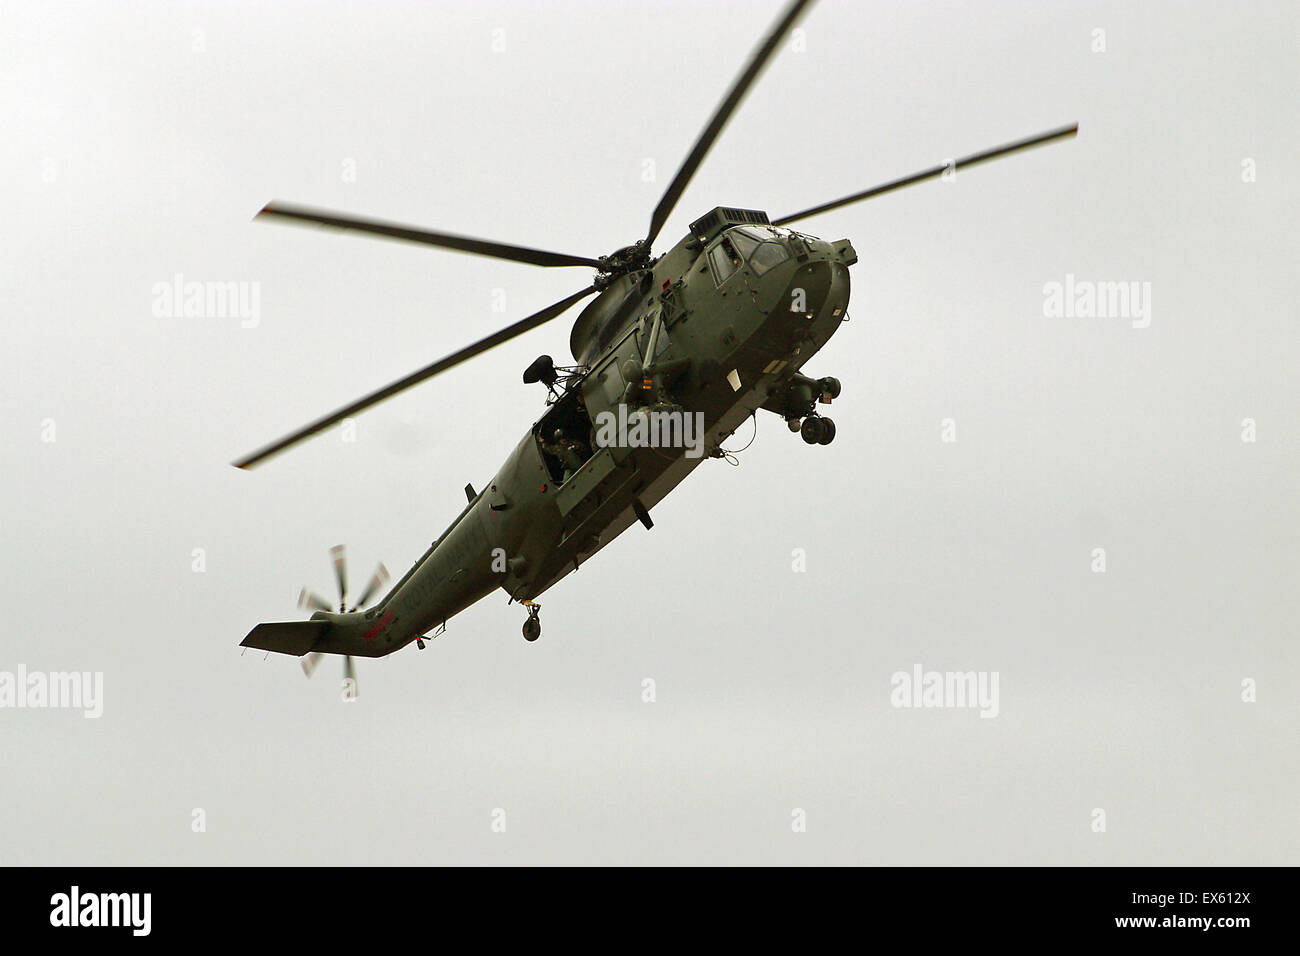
x=340, y=556
x=310, y=599
x=350, y=673
x=310, y=662
x=377, y=580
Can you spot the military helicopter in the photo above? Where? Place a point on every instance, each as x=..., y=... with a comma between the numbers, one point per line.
x=711, y=331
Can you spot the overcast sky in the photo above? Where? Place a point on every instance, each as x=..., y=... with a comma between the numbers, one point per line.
x=140, y=140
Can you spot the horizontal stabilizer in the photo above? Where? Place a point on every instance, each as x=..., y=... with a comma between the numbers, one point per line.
x=286, y=637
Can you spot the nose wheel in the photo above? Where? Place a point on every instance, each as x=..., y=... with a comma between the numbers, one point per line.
x=533, y=626
x=797, y=403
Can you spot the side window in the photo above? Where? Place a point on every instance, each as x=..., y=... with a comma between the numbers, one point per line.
x=725, y=261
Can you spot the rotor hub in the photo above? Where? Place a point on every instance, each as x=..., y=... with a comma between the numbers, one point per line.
x=622, y=261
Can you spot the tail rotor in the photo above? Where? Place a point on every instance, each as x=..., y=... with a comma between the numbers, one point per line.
x=310, y=600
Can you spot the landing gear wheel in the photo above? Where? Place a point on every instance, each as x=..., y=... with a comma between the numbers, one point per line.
x=828, y=432
x=812, y=430
x=533, y=626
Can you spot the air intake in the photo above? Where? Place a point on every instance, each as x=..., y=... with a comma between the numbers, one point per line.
x=722, y=217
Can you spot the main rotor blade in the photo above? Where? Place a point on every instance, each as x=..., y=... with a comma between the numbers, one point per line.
x=720, y=117
x=429, y=371
x=447, y=240
x=972, y=160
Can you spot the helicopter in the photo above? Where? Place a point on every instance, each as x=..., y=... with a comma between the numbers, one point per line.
x=689, y=343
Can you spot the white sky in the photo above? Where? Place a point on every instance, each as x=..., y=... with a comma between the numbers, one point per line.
x=141, y=138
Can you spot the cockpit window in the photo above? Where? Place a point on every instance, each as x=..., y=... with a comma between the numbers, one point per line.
x=768, y=255
x=762, y=233
x=762, y=246
x=744, y=243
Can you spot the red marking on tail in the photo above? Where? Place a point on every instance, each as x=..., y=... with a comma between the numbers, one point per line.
x=380, y=624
